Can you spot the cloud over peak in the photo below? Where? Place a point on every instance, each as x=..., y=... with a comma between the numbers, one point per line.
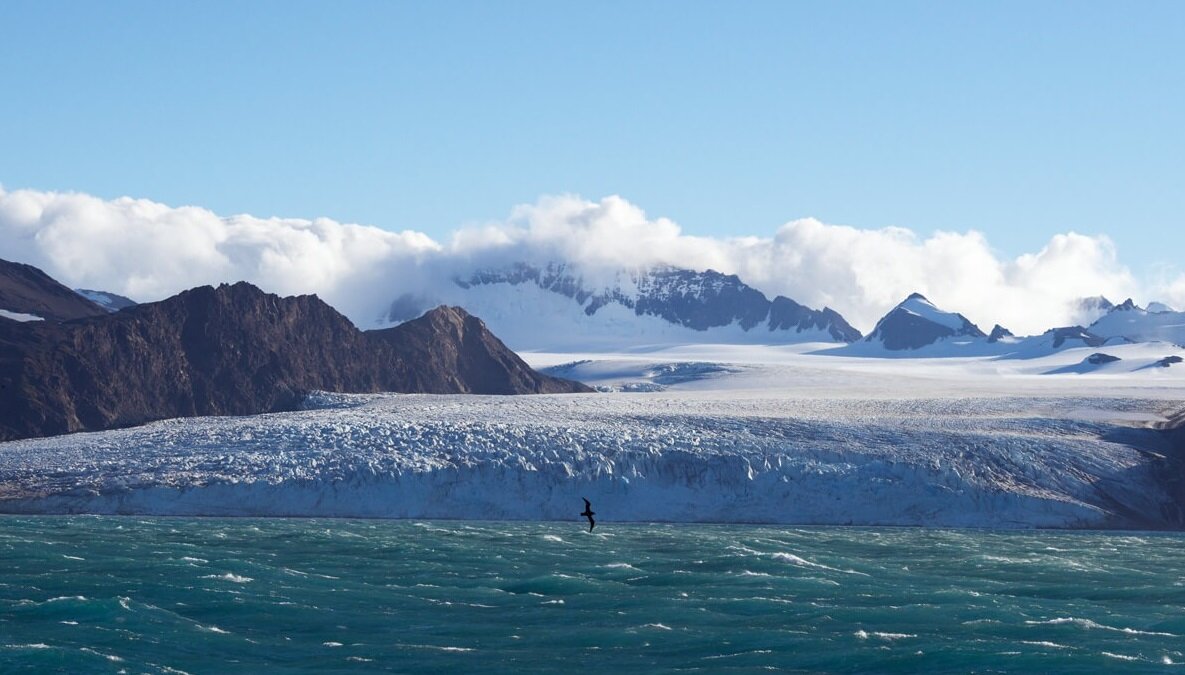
x=148, y=250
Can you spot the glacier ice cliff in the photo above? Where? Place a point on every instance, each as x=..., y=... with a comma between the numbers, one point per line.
x=982, y=462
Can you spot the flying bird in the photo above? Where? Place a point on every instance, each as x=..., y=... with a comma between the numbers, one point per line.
x=589, y=513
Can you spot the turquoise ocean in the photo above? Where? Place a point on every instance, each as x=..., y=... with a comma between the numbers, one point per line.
x=82, y=594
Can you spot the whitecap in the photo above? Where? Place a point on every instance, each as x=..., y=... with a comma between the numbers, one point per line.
x=1089, y=625
x=553, y=537
x=803, y=562
x=191, y=559
x=72, y=557
x=331, y=644
x=729, y=656
x=658, y=626
x=864, y=635
x=110, y=657
x=1121, y=657
x=31, y=645
x=1046, y=643
x=230, y=576
x=437, y=647
x=620, y=566
x=213, y=629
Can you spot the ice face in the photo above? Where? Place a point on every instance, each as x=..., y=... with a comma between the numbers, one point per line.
x=662, y=457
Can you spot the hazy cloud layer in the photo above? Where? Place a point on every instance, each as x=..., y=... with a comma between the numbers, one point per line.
x=148, y=250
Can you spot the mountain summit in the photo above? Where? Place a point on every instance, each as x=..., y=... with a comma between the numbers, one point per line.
x=26, y=290
x=558, y=305
x=236, y=350
x=916, y=322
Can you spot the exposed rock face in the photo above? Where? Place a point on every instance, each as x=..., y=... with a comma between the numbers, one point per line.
x=695, y=300
x=916, y=322
x=1061, y=335
x=450, y=351
x=24, y=289
x=235, y=350
x=1099, y=358
x=999, y=333
x=1168, y=361
x=785, y=314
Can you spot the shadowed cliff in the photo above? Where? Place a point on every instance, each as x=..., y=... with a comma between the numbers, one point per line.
x=236, y=350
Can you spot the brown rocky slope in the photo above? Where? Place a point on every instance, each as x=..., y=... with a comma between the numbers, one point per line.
x=24, y=289
x=236, y=350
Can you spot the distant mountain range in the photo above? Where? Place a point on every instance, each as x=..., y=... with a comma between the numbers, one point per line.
x=108, y=301
x=916, y=327
x=230, y=350
x=563, y=308
x=557, y=306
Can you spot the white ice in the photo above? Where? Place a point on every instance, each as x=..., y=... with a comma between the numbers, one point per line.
x=18, y=316
x=693, y=433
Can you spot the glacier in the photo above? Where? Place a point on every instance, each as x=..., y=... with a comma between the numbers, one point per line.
x=760, y=435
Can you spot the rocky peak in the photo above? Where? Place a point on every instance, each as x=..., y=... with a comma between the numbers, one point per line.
x=24, y=289
x=697, y=300
x=236, y=350
x=999, y=333
x=1062, y=335
x=916, y=322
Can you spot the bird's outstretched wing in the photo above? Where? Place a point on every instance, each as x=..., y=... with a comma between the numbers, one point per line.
x=587, y=505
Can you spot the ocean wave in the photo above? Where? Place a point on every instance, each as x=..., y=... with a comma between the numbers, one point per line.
x=1091, y=625
x=802, y=562
x=230, y=576
x=864, y=635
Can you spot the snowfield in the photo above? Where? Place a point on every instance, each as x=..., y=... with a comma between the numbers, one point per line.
x=703, y=433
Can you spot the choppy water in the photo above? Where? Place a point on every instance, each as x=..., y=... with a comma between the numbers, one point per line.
x=87, y=594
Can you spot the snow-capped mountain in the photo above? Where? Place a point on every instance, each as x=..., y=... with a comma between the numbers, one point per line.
x=112, y=302
x=559, y=306
x=916, y=323
x=1090, y=309
x=1129, y=321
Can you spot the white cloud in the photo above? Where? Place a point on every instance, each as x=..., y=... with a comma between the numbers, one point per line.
x=148, y=250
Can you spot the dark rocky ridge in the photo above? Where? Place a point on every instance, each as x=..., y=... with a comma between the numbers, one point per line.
x=1061, y=335
x=695, y=300
x=27, y=290
x=999, y=333
x=904, y=329
x=235, y=350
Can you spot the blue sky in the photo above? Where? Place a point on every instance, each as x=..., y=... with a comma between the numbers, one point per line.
x=1020, y=119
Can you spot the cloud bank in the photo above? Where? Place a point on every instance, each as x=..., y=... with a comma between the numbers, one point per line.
x=147, y=251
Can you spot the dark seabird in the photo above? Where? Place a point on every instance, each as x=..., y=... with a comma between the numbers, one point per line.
x=589, y=513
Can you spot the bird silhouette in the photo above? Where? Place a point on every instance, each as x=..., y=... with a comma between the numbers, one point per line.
x=589, y=513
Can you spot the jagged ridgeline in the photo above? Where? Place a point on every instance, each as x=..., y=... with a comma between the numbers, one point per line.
x=236, y=350
x=660, y=303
